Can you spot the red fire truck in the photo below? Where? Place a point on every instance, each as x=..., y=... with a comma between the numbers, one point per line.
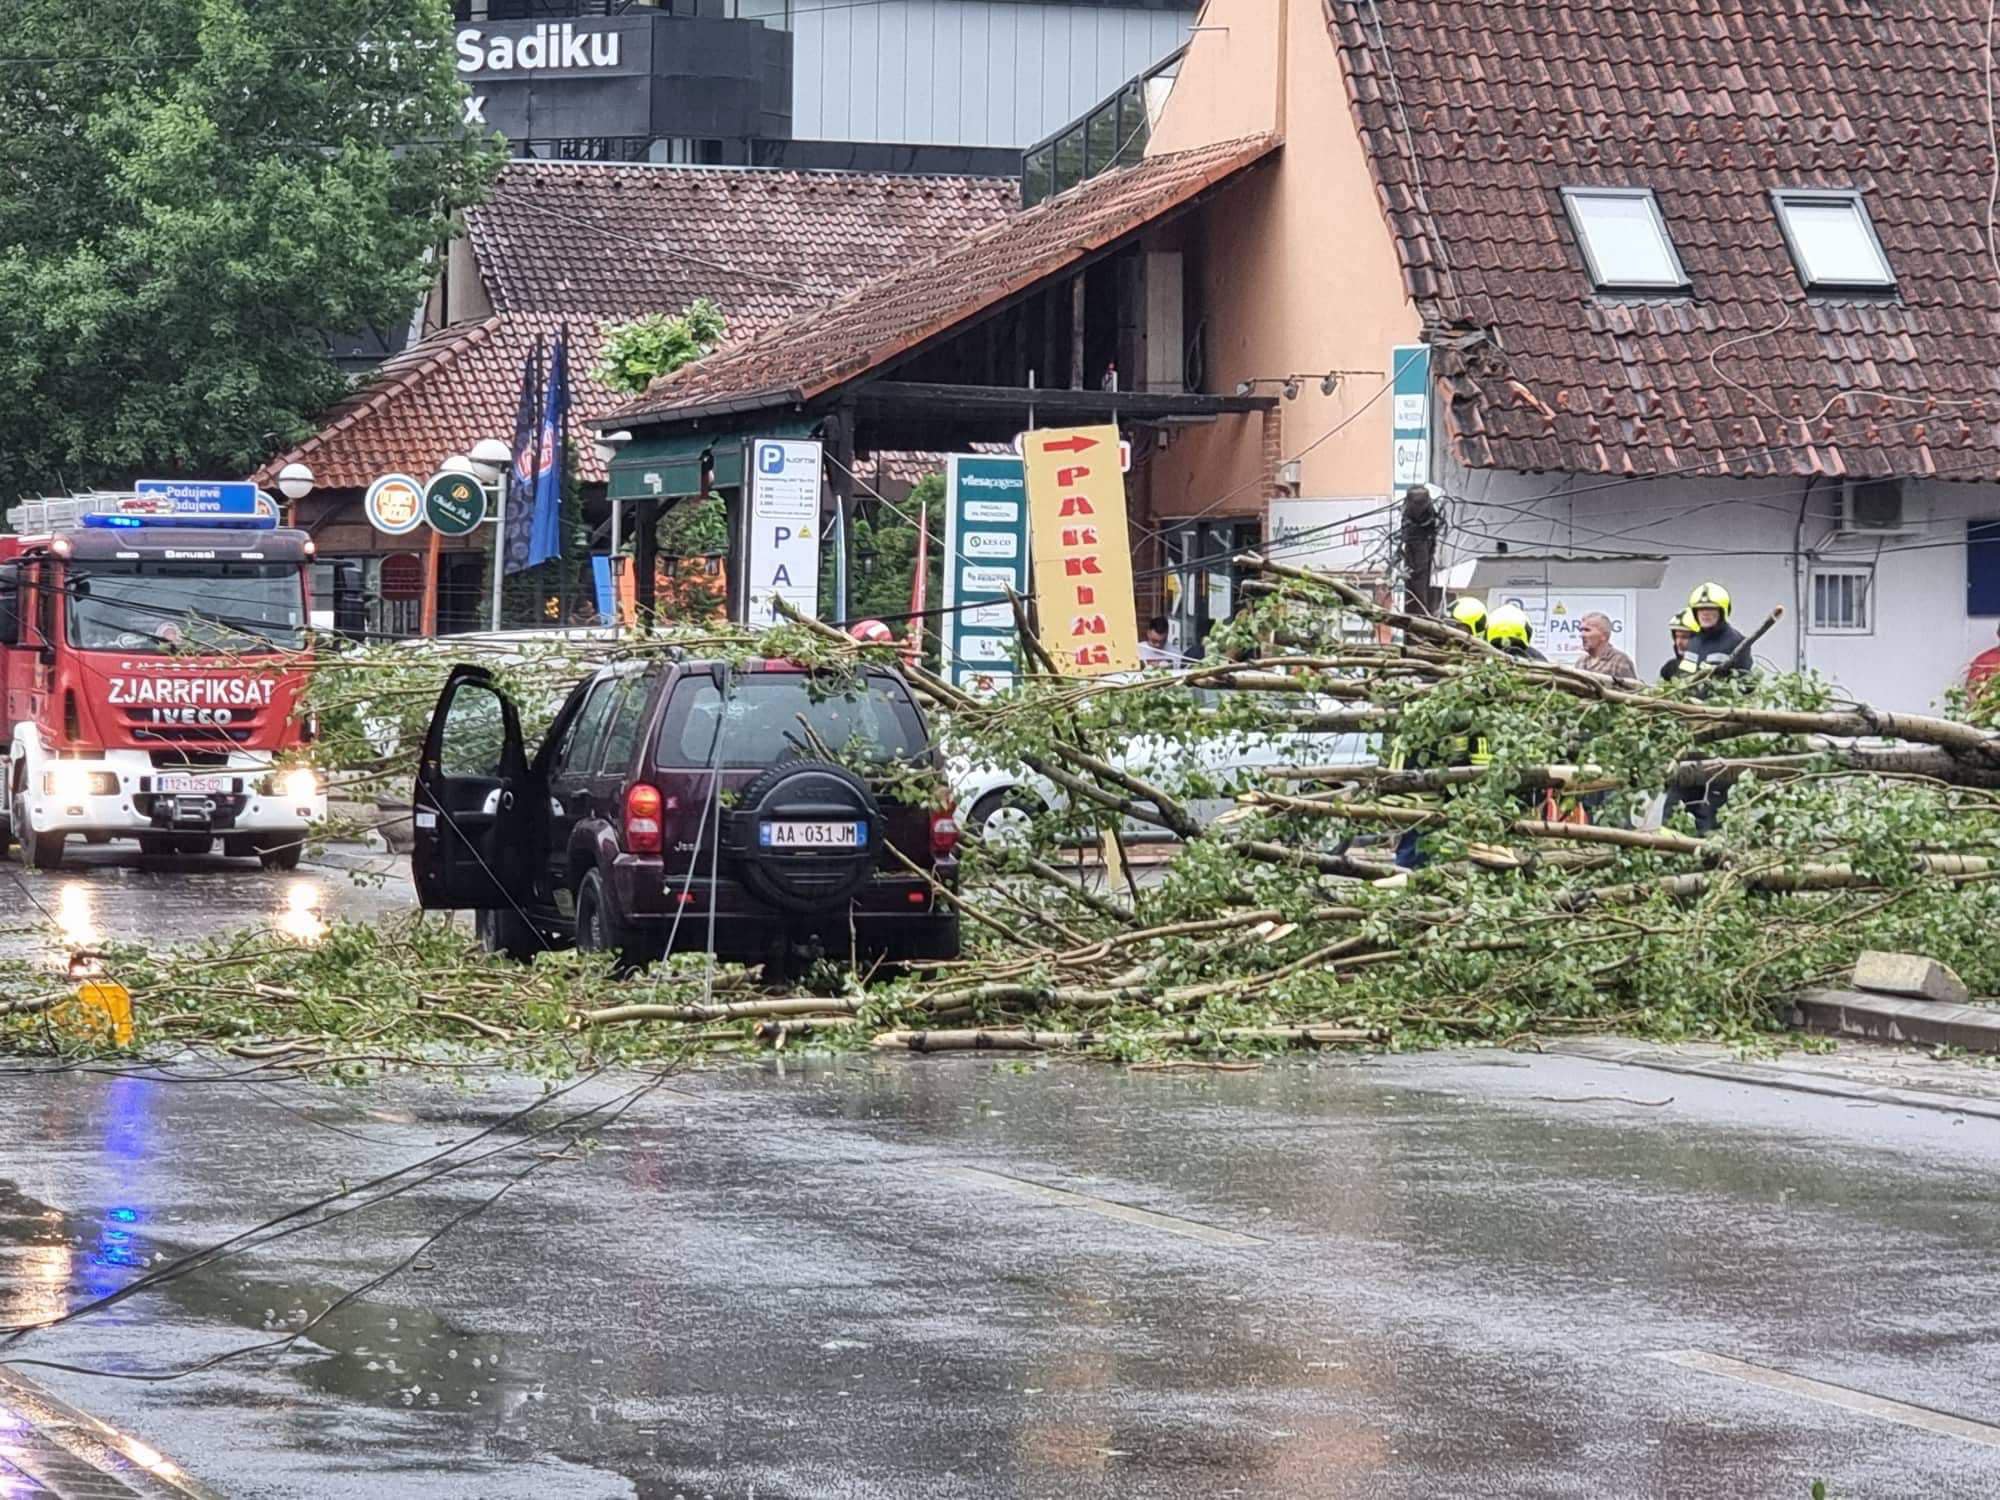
x=151, y=658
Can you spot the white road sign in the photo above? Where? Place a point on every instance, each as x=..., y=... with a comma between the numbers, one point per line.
x=783, y=555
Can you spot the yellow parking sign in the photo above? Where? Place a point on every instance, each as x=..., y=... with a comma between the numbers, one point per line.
x=1082, y=549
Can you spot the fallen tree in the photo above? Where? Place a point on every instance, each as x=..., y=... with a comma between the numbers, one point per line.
x=1550, y=895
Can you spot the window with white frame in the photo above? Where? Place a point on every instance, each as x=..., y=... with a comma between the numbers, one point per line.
x=1843, y=600
x=1624, y=238
x=1832, y=240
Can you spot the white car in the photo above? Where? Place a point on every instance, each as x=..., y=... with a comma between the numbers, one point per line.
x=997, y=802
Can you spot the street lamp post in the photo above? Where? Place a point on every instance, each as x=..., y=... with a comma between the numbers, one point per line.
x=488, y=462
x=608, y=444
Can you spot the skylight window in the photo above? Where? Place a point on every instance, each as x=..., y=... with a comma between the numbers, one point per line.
x=1624, y=239
x=1832, y=241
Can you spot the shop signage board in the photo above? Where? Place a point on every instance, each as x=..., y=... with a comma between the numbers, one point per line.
x=394, y=505
x=781, y=545
x=1555, y=613
x=454, y=504
x=986, y=554
x=1333, y=536
x=1409, y=416
x=1082, y=550
x=640, y=72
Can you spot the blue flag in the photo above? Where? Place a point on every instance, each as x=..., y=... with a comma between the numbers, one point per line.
x=520, y=501
x=547, y=540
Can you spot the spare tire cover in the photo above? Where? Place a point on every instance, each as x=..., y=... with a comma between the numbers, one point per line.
x=804, y=877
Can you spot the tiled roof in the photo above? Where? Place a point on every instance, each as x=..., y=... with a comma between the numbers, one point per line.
x=444, y=393
x=615, y=240
x=586, y=245
x=894, y=314
x=1502, y=103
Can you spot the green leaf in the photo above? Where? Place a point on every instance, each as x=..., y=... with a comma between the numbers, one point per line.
x=183, y=223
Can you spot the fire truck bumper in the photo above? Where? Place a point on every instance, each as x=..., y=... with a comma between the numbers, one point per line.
x=126, y=799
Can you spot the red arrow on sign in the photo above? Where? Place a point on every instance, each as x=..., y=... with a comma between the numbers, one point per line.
x=1070, y=444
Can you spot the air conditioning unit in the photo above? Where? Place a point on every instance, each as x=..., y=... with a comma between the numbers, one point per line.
x=1872, y=507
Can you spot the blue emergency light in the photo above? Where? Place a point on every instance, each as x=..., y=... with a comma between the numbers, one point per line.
x=115, y=521
x=164, y=502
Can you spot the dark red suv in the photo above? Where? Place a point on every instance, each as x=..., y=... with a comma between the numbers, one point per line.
x=608, y=836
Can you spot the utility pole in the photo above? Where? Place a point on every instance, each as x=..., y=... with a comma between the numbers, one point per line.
x=1419, y=549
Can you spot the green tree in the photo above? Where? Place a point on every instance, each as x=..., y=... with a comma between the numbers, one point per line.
x=193, y=194
x=638, y=352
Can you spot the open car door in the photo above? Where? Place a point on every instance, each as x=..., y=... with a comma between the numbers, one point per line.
x=476, y=825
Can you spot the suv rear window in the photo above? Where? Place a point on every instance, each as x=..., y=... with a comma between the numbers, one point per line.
x=872, y=720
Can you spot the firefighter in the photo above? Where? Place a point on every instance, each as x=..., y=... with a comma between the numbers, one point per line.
x=1716, y=644
x=1716, y=650
x=1507, y=627
x=1469, y=614
x=1681, y=664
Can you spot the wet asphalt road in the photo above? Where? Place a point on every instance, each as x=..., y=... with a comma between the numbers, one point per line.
x=112, y=892
x=1444, y=1275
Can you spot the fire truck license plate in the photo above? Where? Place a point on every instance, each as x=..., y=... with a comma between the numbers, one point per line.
x=200, y=785
x=814, y=835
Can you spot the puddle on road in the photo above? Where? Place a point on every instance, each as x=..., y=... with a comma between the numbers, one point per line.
x=649, y=1388
x=380, y=1353
x=106, y=899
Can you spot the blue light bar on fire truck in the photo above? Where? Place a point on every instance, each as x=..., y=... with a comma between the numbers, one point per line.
x=153, y=502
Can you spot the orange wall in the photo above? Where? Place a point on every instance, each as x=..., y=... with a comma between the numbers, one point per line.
x=1299, y=273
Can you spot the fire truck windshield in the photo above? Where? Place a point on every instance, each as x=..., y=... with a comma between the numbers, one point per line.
x=148, y=606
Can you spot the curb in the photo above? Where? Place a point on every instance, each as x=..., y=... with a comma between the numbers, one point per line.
x=1887, y=1018
x=1764, y=1075
x=70, y=1454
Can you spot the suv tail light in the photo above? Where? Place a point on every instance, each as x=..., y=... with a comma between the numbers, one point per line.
x=944, y=832
x=643, y=809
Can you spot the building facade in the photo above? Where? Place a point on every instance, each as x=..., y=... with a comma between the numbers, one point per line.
x=800, y=83
x=1609, y=329
x=1725, y=315
x=569, y=249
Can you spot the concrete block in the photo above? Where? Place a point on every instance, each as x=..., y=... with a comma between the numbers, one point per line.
x=1908, y=974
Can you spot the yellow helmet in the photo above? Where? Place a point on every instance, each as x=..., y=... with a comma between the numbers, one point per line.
x=1469, y=612
x=1710, y=596
x=1685, y=621
x=1508, y=623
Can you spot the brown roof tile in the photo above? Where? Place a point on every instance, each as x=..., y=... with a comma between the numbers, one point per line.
x=901, y=310
x=585, y=245
x=440, y=396
x=1504, y=103
x=614, y=240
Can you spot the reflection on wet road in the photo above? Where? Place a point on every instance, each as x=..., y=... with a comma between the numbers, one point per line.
x=1400, y=1277
x=113, y=894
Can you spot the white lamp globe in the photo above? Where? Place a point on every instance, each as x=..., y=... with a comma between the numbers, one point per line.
x=295, y=481
x=489, y=458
